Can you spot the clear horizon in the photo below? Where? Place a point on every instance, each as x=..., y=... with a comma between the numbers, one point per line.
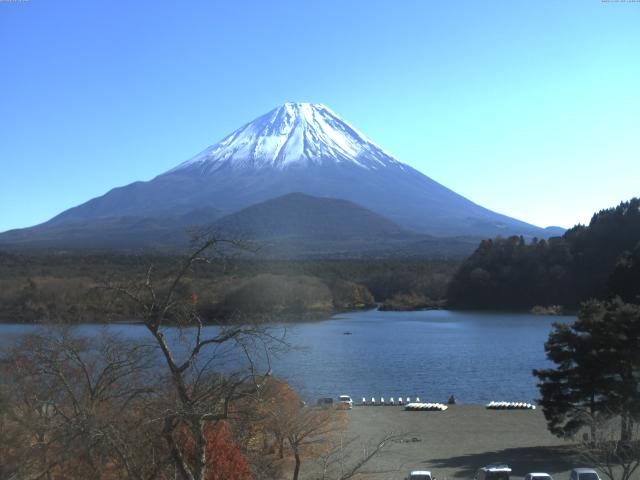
x=528, y=109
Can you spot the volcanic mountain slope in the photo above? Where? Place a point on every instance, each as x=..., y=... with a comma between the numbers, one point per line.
x=111, y=233
x=291, y=226
x=299, y=225
x=298, y=147
x=300, y=216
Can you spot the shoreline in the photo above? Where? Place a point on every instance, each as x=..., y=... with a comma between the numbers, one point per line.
x=288, y=318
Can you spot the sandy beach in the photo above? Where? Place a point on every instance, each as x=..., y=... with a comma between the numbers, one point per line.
x=455, y=443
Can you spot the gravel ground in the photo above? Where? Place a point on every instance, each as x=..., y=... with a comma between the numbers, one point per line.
x=455, y=443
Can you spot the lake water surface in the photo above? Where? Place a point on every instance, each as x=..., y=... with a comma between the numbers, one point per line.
x=477, y=357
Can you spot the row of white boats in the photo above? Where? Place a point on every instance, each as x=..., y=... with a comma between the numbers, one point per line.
x=429, y=407
x=400, y=401
x=418, y=405
x=510, y=406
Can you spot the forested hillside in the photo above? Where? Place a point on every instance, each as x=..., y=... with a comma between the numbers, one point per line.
x=594, y=261
x=71, y=288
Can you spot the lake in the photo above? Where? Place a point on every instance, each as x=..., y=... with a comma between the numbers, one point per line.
x=478, y=357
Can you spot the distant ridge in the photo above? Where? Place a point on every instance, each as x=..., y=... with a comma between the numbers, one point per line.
x=300, y=225
x=296, y=215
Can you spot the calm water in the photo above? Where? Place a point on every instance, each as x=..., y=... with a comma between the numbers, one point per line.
x=478, y=357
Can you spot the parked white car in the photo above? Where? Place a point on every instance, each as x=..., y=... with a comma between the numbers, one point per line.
x=493, y=472
x=420, y=475
x=584, y=474
x=345, y=401
x=538, y=476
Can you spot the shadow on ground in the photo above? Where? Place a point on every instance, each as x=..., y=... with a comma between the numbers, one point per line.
x=551, y=460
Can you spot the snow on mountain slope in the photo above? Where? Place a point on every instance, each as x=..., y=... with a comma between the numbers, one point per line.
x=294, y=134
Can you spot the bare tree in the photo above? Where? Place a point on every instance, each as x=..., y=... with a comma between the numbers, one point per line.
x=103, y=408
x=76, y=408
x=306, y=430
x=617, y=459
x=299, y=431
x=203, y=386
x=347, y=457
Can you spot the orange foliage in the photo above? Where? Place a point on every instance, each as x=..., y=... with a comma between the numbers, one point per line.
x=294, y=425
x=225, y=461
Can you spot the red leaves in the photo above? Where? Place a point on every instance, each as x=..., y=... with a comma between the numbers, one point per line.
x=225, y=461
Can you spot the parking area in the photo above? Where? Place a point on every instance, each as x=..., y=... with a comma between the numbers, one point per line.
x=455, y=443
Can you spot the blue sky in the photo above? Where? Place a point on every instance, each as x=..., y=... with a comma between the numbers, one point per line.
x=528, y=108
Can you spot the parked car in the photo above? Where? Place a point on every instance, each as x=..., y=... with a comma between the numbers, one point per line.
x=538, y=476
x=420, y=475
x=345, y=401
x=584, y=474
x=496, y=471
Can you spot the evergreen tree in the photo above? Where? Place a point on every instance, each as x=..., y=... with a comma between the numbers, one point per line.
x=597, y=371
x=625, y=279
x=511, y=273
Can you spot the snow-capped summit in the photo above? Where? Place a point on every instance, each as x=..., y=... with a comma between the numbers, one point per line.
x=294, y=134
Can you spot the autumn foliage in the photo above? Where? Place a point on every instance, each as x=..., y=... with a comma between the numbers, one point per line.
x=225, y=460
x=164, y=407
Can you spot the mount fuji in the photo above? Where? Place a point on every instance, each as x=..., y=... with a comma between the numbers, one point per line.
x=297, y=147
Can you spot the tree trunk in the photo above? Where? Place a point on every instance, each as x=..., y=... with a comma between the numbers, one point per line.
x=296, y=456
x=625, y=427
x=592, y=408
x=296, y=470
x=201, y=449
